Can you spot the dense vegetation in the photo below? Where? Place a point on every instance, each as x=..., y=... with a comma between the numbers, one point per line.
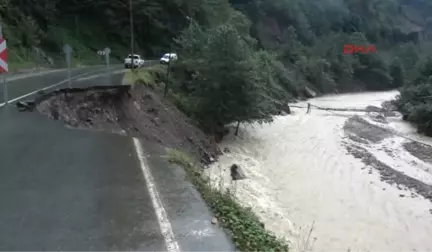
x=89, y=26
x=266, y=52
x=415, y=100
x=239, y=59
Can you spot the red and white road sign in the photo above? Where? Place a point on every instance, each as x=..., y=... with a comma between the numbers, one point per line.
x=3, y=56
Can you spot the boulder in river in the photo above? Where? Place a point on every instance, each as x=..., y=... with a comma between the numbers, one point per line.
x=237, y=173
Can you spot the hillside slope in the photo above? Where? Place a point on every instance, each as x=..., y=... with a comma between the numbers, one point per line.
x=307, y=36
x=34, y=28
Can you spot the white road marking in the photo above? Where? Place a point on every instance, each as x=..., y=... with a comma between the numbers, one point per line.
x=26, y=75
x=164, y=223
x=18, y=76
x=43, y=89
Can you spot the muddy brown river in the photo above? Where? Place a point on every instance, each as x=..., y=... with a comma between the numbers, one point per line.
x=308, y=188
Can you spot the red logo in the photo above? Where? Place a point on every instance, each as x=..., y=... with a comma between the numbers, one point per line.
x=351, y=49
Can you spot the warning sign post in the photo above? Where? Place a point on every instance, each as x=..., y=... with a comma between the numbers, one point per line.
x=3, y=65
x=3, y=56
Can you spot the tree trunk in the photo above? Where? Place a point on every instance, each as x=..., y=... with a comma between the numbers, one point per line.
x=237, y=128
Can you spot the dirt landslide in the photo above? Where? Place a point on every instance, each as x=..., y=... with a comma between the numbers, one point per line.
x=137, y=112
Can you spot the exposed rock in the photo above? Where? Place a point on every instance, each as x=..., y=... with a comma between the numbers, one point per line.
x=373, y=109
x=283, y=108
x=214, y=221
x=226, y=150
x=237, y=173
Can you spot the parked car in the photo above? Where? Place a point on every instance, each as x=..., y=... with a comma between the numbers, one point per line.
x=167, y=57
x=137, y=61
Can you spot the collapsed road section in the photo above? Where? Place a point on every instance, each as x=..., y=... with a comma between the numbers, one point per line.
x=86, y=190
x=119, y=109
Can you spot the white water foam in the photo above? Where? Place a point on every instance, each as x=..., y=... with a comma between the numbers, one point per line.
x=299, y=173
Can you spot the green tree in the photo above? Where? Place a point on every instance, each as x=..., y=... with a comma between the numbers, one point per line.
x=415, y=102
x=228, y=85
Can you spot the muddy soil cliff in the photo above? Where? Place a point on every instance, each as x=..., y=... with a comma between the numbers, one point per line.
x=139, y=112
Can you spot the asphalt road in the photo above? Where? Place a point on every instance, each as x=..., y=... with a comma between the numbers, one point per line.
x=18, y=86
x=67, y=189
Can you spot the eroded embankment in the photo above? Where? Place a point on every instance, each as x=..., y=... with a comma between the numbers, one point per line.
x=137, y=112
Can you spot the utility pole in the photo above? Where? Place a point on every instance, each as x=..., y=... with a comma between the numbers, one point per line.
x=131, y=32
x=77, y=35
x=169, y=64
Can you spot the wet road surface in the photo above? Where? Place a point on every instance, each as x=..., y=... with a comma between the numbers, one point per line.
x=67, y=189
x=21, y=85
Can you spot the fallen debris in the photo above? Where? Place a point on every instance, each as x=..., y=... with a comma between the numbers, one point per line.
x=25, y=106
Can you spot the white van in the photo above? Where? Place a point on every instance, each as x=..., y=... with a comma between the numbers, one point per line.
x=167, y=57
x=137, y=61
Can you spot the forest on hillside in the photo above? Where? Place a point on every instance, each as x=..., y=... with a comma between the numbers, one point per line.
x=239, y=59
